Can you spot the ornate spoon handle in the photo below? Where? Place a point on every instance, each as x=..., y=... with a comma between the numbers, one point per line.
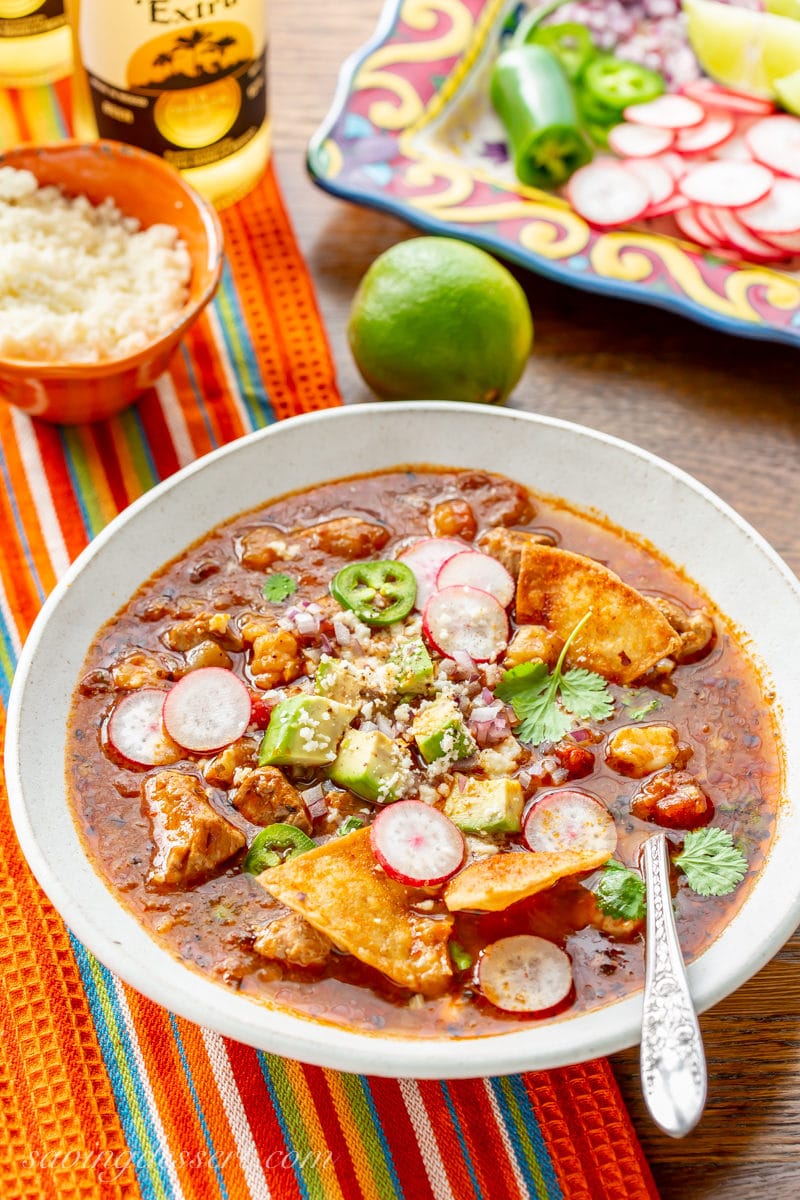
x=672, y=1060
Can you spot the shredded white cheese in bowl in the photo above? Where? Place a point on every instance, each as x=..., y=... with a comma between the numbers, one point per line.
x=80, y=283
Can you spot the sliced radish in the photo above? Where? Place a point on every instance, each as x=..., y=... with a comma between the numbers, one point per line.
x=136, y=729
x=639, y=141
x=479, y=571
x=735, y=149
x=715, y=130
x=667, y=112
x=690, y=227
x=741, y=239
x=709, y=219
x=726, y=184
x=788, y=242
x=524, y=973
x=711, y=95
x=604, y=193
x=654, y=176
x=466, y=620
x=425, y=559
x=208, y=709
x=775, y=141
x=672, y=205
x=674, y=164
x=569, y=819
x=779, y=212
x=416, y=844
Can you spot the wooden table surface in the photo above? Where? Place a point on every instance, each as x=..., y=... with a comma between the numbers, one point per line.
x=726, y=410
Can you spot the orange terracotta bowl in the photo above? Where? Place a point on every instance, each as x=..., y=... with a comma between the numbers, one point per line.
x=145, y=187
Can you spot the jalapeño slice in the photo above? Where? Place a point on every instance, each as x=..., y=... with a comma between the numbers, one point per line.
x=612, y=84
x=379, y=593
x=273, y=844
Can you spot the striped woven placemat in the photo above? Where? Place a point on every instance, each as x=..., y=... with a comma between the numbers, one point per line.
x=103, y=1093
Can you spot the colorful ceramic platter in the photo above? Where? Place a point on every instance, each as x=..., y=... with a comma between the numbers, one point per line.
x=412, y=131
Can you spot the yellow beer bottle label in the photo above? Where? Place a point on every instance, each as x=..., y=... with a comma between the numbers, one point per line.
x=186, y=80
x=27, y=18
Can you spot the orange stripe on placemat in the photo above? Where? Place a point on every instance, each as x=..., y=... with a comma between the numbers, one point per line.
x=297, y=369
x=64, y=1139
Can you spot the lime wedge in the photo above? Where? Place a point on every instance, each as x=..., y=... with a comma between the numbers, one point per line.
x=743, y=49
x=788, y=92
x=784, y=8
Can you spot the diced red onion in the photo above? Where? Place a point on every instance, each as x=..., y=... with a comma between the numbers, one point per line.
x=484, y=713
x=487, y=697
x=385, y=725
x=314, y=798
x=342, y=633
x=559, y=776
x=465, y=661
x=306, y=623
x=582, y=735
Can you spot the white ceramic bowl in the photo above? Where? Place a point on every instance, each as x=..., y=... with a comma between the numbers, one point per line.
x=642, y=493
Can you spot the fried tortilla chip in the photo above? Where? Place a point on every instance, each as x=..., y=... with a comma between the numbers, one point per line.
x=340, y=890
x=626, y=633
x=496, y=883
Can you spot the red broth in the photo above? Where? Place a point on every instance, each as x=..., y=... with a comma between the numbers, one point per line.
x=717, y=704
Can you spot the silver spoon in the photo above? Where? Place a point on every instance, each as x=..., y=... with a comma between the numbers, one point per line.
x=672, y=1060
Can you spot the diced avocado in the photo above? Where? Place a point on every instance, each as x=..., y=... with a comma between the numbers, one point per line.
x=486, y=806
x=440, y=732
x=338, y=680
x=372, y=765
x=304, y=731
x=410, y=667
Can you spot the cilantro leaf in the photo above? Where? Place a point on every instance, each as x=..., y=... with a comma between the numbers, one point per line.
x=541, y=721
x=520, y=681
x=278, y=587
x=620, y=892
x=712, y=864
x=533, y=693
x=585, y=694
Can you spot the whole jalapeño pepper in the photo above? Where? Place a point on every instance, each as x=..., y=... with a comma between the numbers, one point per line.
x=533, y=98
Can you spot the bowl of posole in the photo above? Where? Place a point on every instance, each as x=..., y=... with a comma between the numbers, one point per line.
x=637, y=491
x=148, y=189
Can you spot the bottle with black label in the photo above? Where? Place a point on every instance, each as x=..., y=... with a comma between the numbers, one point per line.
x=185, y=79
x=35, y=43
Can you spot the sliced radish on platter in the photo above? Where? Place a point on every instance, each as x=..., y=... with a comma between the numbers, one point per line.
x=779, y=212
x=465, y=620
x=209, y=708
x=726, y=184
x=711, y=95
x=604, y=193
x=639, y=141
x=136, y=729
x=775, y=141
x=735, y=149
x=740, y=238
x=524, y=973
x=479, y=571
x=690, y=227
x=673, y=163
x=416, y=844
x=715, y=130
x=670, y=206
x=654, y=176
x=709, y=219
x=425, y=559
x=788, y=242
x=569, y=819
x=667, y=112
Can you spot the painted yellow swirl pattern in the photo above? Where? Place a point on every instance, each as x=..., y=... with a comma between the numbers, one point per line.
x=423, y=16
x=629, y=257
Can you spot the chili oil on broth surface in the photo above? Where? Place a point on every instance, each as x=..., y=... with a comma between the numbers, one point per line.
x=215, y=924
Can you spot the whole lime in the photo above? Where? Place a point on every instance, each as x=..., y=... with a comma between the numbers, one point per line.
x=439, y=319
